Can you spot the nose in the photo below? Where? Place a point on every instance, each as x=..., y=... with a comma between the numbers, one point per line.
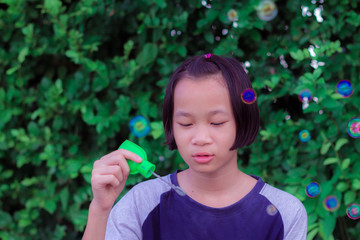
x=201, y=136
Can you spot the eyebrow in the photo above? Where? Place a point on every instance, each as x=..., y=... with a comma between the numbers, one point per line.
x=181, y=113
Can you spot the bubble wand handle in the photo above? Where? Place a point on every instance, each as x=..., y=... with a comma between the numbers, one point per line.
x=145, y=168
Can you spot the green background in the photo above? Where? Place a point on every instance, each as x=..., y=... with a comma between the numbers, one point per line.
x=74, y=73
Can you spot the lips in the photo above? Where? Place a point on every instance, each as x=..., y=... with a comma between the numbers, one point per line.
x=203, y=157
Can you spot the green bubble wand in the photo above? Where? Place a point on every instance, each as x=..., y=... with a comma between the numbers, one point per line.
x=145, y=168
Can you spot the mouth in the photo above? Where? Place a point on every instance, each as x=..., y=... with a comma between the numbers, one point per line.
x=203, y=157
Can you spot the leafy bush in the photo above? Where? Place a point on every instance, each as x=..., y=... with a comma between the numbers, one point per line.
x=75, y=72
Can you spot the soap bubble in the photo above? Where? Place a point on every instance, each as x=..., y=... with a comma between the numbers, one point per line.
x=248, y=96
x=271, y=210
x=331, y=203
x=353, y=128
x=312, y=189
x=139, y=126
x=305, y=96
x=344, y=88
x=304, y=136
x=266, y=10
x=232, y=15
x=353, y=211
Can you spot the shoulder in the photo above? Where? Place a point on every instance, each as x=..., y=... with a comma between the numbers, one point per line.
x=144, y=196
x=292, y=211
x=129, y=213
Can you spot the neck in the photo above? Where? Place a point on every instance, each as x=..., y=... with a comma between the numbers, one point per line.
x=213, y=183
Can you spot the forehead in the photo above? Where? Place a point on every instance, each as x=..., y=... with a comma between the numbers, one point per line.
x=206, y=94
x=200, y=84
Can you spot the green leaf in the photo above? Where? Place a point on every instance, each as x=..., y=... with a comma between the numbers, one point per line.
x=349, y=197
x=317, y=73
x=312, y=234
x=339, y=143
x=209, y=37
x=298, y=55
x=5, y=219
x=10, y=71
x=147, y=55
x=23, y=53
x=327, y=226
x=128, y=46
x=64, y=198
x=345, y=164
x=53, y=6
x=182, y=51
x=29, y=181
x=50, y=206
x=330, y=161
x=73, y=55
x=325, y=148
x=156, y=129
x=356, y=184
x=342, y=186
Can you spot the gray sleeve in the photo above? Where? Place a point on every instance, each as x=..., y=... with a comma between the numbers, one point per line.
x=129, y=213
x=292, y=211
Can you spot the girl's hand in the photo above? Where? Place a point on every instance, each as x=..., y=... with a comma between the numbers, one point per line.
x=109, y=176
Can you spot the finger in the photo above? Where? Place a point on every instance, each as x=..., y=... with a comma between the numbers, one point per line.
x=102, y=181
x=109, y=170
x=114, y=160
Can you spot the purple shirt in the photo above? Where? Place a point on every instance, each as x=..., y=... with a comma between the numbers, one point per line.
x=152, y=210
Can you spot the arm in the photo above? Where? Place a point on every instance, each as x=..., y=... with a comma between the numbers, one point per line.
x=298, y=226
x=96, y=224
x=108, y=179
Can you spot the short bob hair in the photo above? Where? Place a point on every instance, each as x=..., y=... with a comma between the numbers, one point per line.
x=246, y=115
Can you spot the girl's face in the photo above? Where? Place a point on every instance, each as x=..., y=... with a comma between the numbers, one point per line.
x=204, y=125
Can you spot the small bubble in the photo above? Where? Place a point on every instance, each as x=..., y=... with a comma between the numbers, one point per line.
x=248, y=96
x=305, y=10
x=247, y=64
x=331, y=203
x=224, y=31
x=139, y=126
x=305, y=96
x=311, y=51
x=205, y=4
x=271, y=210
x=232, y=15
x=161, y=158
x=321, y=112
x=353, y=211
x=344, y=88
x=353, y=128
x=304, y=136
x=267, y=10
x=317, y=13
x=312, y=189
x=287, y=117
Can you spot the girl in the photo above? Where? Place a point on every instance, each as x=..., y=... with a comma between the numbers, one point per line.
x=206, y=120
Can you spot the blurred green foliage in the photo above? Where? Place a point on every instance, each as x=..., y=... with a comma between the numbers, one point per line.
x=73, y=73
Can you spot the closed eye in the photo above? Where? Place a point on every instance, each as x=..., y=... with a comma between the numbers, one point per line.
x=185, y=125
x=218, y=124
